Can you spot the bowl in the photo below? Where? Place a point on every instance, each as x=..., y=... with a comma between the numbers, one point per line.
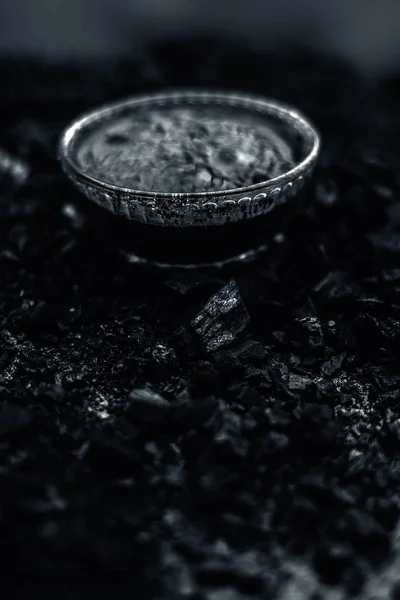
x=191, y=177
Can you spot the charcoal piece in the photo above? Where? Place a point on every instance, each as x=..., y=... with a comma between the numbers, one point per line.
x=380, y=333
x=314, y=412
x=395, y=594
x=393, y=214
x=110, y=457
x=164, y=354
x=249, y=424
x=278, y=371
x=227, y=435
x=391, y=430
x=249, y=350
x=332, y=562
x=333, y=364
x=13, y=418
x=148, y=405
x=391, y=275
x=74, y=215
x=386, y=241
x=13, y=171
x=326, y=192
x=307, y=309
x=193, y=413
x=247, y=396
x=249, y=576
x=185, y=283
x=319, y=430
x=337, y=285
x=363, y=528
x=278, y=418
x=377, y=166
x=222, y=318
x=215, y=572
x=275, y=443
x=299, y=382
x=42, y=319
x=205, y=378
x=304, y=510
x=326, y=390
x=383, y=510
x=309, y=330
x=227, y=362
x=215, y=487
x=391, y=397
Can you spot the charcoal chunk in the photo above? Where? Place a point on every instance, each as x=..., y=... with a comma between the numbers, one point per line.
x=222, y=318
x=332, y=562
x=13, y=418
x=337, y=285
x=13, y=171
x=147, y=404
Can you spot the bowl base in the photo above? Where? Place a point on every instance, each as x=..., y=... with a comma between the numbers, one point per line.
x=244, y=257
x=189, y=247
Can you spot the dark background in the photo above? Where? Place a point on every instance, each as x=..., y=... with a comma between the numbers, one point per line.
x=204, y=452
x=363, y=32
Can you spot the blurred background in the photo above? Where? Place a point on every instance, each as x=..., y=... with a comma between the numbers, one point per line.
x=365, y=33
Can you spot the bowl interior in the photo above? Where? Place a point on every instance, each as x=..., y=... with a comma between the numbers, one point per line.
x=175, y=144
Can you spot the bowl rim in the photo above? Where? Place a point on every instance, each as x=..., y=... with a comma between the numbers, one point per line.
x=283, y=111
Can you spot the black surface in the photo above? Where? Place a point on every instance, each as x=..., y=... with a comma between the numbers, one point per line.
x=219, y=449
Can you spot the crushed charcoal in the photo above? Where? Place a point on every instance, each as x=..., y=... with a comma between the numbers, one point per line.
x=218, y=434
